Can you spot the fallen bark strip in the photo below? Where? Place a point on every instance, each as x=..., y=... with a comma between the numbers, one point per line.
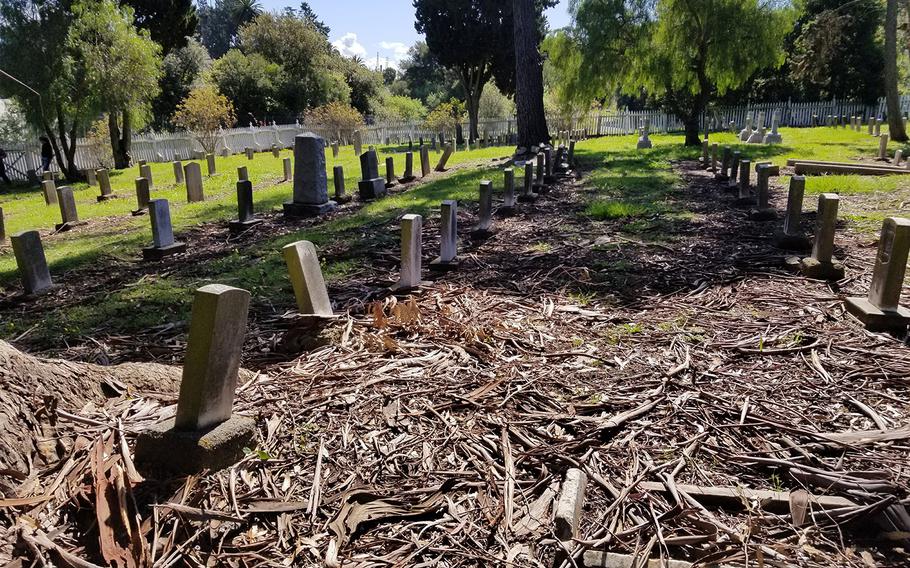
x=733, y=497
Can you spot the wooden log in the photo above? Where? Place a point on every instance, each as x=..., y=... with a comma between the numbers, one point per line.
x=814, y=169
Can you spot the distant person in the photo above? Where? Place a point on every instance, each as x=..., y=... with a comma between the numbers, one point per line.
x=47, y=154
x=3, y=175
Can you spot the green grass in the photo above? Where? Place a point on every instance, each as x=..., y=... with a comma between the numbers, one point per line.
x=637, y=191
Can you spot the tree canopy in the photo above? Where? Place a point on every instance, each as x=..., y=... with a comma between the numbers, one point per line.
x=683, y=53
x=170, y=22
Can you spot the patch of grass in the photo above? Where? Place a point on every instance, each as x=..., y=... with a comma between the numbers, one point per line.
x=603, y=210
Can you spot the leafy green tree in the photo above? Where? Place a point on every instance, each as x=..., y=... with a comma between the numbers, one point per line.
x=116, y=64
x=684, y=53
x=494, y=104
x=170, y=22
x=399, y=108
x=204, y=112
x=389, y=74
x=308, y=15
x=339, y=119
x=475, y=39
x=312, y=73
x=182, y=70
x=836, y=52
x=250, y=82
x=424, y=77
x=32, y=46
x=366, y=87
x=217, y=25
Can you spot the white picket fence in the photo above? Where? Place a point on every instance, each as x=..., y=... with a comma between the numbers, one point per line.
x=158, y=147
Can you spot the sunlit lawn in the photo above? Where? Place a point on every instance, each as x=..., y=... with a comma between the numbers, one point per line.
x=635, y=186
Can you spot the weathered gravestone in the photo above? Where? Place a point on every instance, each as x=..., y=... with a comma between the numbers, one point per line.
x=145, y=171
x=644, y=141
x=883, y=147
x=306, y=279
x=225, y=152
x=870, y=125
x=246, y=217
x=527, y=190
x=411, y=253
x=2, y=226
x=243, y=174
x=881, y=310
x=311, y=185
x=446, y=154
x=774, y=136
x=448, y=238
x=724, y=173
x=508, y=193
x=764, y=211
x=705, y=145
x=571, y=154
x=105, y=189
x=163, y=243
x=205, y=434
x=822, y=265
x=210, y=164
x=47, y=176
x=548, y=177
x=358, y=143
x=484, y=225
x=898, y=157
x=143, y=196
x=714, y=159
x=335, y=149
x=878, y=127
x=69, y=217
x=288, y=169
x=745, y=190
x=276, y=151
x=49, y=190
x=791, y=236
x=249, y=153
x=734, y=170
x=90, y=177
x=390, y=179
x=193, y=174
x=338, y=180
x=424, y=161
x=758, y=135
x=31, y=262
x=747, y=129
x=178, y=171
x=408, y=168
x=371, y=186
x=539, y=185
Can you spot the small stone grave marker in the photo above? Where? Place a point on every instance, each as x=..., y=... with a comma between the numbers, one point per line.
x=306, y=279
x=485, y=213
x=31, y=262
x=193, y=174
x=246, y=218
x=371, y=186
x=163, y=243
x=411, y=253
x=143, y=196
x=881, y=310
x=448, y=238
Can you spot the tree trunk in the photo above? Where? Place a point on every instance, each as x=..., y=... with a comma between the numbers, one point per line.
x=65, y=147
x=532, y=121
x=34, y=388
x=119, y=139
x=892, y=98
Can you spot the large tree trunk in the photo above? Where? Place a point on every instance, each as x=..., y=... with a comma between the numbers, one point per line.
x=532, y=121
x=120, y=138
x=892, y=98
x=34, y=389
x=64, y=145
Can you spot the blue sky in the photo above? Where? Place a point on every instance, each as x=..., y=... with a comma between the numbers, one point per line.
x=386, y=27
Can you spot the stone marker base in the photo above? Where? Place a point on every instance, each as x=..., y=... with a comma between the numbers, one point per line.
x=62, y=227
x=527, y=198
x=439, y=265
x=138, y=212
x=773, y=139
x=155, y=253
x=162, y=448
x=767, y=214
x=237, y=227
x=791, y=242
x=371, y=188
x=812, y=268
x=292, y=209
x=876, y=319
x=101, y=198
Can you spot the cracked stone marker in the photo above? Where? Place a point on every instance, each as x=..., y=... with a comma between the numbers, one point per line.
x=569, y=504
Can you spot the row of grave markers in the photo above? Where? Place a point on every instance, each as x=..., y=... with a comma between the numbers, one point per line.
x=205, y=434
x=881, y=310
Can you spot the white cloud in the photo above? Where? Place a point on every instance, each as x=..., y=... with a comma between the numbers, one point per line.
x=398, y=50
x=349, y=46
